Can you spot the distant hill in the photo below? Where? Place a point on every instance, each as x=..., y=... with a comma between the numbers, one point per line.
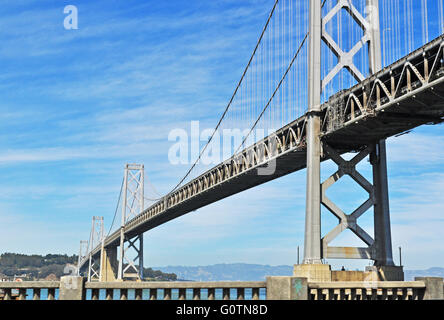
x=255, y=272
x=51, y=267
x=228, y=272
x=34, y=267
x=432, y=272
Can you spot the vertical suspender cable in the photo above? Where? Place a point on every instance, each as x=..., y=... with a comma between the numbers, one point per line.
x=411, y=39
x=406, y=27
x=425, y=34
x=397, y=14
x=441, y=17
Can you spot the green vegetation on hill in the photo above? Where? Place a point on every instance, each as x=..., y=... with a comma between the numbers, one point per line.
x=37, y=267
x=150, y=274
x=22, y=260
x=34, y=266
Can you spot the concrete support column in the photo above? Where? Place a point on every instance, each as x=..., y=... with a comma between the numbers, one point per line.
x=121, y=254
x=287, y=288
x=72, y=288
x=434, y=287
x=382, y=229
x=141, y=256
x=109, y=264
x=102, y=249
x=312, y=247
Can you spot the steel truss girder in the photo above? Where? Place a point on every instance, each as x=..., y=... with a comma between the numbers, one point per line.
x=348, y=221
x=345, y=59
x=386, y=88
x=288, y=139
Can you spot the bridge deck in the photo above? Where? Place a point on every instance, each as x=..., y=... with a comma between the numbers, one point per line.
x=404, y=95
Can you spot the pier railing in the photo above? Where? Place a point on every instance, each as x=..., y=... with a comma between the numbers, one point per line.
x=29, y=290
x=178, y=290
x=274, y=288
x=390, y=290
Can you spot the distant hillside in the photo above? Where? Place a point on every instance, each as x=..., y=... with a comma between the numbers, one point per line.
x=33, y=267
x=255, y=272
x=51, y=266
x=228, y=272
x=432, y=272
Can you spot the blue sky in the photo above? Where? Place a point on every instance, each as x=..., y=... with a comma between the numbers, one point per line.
x=76, y=105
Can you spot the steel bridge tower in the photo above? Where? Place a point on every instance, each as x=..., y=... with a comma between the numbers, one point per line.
x=97, y=237
x=123, y=261
x=316, y=247
x=83, y=254
x=132, y=205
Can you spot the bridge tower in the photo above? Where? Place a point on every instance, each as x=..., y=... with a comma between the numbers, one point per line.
x=83, y=254
x=132, y=205
x=316, y=247
x=96, y=237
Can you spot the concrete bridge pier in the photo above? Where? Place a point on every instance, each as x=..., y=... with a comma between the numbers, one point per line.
x=109, y=264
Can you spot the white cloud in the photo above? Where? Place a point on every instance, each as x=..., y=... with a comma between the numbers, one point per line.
x=417, y=149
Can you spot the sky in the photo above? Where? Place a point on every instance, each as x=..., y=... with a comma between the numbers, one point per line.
x=77, y=105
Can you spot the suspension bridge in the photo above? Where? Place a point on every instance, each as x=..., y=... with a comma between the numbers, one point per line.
x=336, y=77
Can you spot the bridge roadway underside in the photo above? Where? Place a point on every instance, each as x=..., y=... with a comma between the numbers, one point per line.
x=404, y=111
x=285, y=164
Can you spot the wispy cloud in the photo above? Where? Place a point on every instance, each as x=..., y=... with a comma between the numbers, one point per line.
x=419, y=149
